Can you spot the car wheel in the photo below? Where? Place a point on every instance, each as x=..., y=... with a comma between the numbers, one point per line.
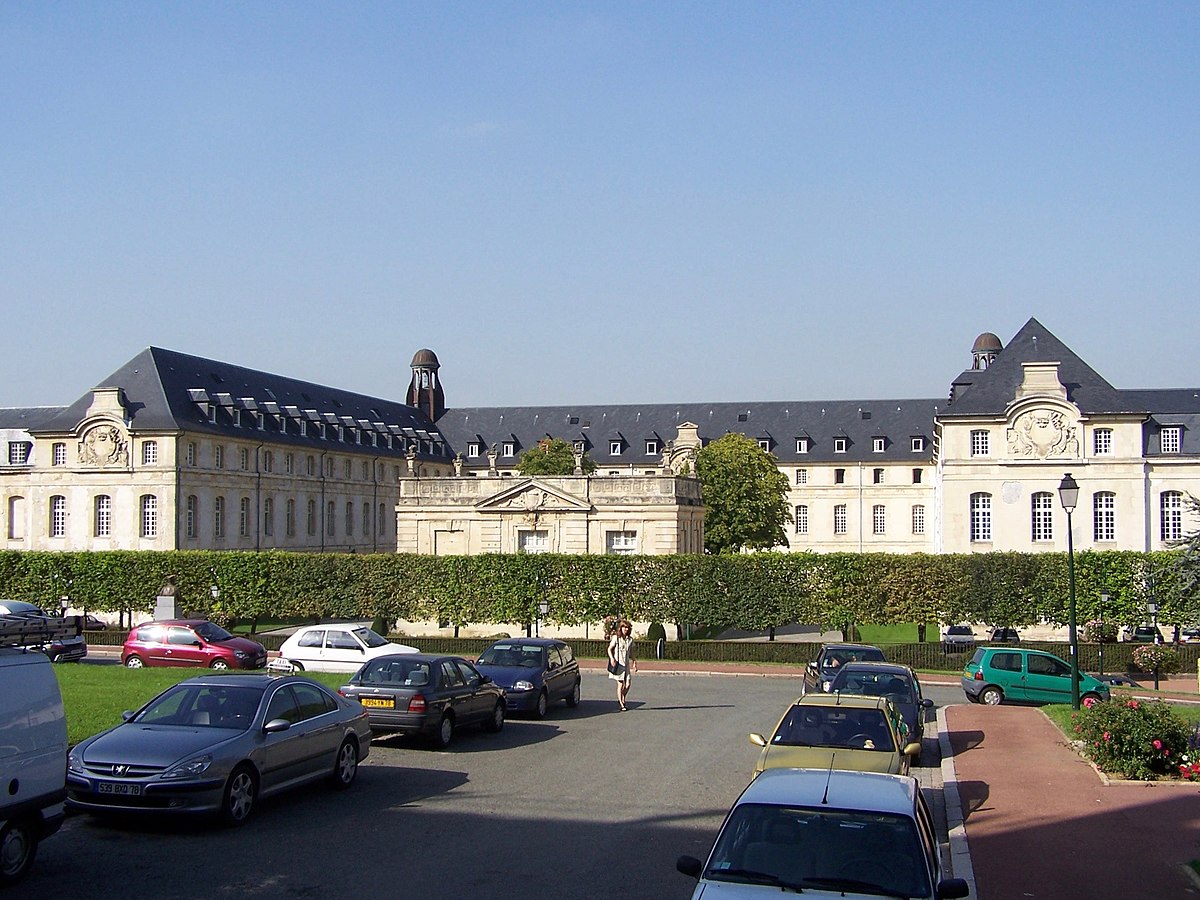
x=992, y=696
x=496, y=722
x=297, y=665
x=539, y=711
x=345, y=770
x=573, y=697
x=1089, y=700
x=134, y=662
x=240, y=791
x=18, y=847
x=219, y=665
x=445, y=732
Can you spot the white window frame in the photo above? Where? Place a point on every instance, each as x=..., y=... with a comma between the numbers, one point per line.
x=149, y=453
x=840, y=522
x=58, y=453
x=878, y=519
x=1104, y=517
x=878, y=445
x=508, y=449
x=189, y=516
x=802, y=445
x=1170, y=516
x=1041, y=513
x=840, y=444
x=981, y=518
x=615, y=448
x=58, y=516
x=980, y=442
x=764, y=444
x=652, y=447
x=102, y=525
x=473, y=449
x=918, y=445
x=801, y=518
x=621, y=543
x=1102, y=442
x=533, y=540
x=918, y=518
x=1171, y=438
x=149, y=515
x=218, y=517
x=802, y=476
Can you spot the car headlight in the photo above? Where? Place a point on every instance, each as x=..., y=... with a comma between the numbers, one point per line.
x=523, y=686
x=827, y=687
x=241, y=654
x=190, y=768
x=74, y=763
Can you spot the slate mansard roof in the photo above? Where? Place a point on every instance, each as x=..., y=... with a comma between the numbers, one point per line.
x=166, y=390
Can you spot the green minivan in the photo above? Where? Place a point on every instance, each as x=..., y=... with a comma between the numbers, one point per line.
x=996, y=674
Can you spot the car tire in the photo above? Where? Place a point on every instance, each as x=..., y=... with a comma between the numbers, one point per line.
x=134, y=662
x=496, y=722
x=991, y=696
x=297, y=665
x=573, y=697
x=540, y=707
x=237, y=802
x=1089, y=700
x=18, y=849
x=445, y=732
x=219, y=665
x=345, y=769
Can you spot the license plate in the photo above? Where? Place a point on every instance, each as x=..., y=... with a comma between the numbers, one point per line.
x=116, y=787
x=378, y=702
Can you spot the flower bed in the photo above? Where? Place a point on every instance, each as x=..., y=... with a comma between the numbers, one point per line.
x=1139, y=739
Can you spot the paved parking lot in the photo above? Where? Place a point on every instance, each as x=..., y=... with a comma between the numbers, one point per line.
x=584, y=802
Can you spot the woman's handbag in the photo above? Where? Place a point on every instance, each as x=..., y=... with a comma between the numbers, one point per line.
x=615, y=668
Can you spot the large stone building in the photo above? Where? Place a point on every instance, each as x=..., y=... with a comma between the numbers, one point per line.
x=176, y=451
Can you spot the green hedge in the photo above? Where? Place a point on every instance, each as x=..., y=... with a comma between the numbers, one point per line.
x=752, y=592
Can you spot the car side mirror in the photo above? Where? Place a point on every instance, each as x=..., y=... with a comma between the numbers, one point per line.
x=485, y=679
x=951, y=888
x=276, y=725
x=127, y=715
x=757, y=739
x=913, y=749
x=926, y=703
x=689, y=865
x=197, y=643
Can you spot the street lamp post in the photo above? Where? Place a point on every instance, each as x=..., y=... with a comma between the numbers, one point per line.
x=543, y=609
x=1068, y=495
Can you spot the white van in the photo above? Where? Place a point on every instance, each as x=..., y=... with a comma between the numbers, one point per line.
x=33, y=744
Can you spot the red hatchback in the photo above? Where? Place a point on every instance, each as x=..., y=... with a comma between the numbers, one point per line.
x=190, y=642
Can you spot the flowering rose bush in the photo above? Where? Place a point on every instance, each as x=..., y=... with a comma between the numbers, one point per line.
x=1149, y=657
x=1189, y=763
x=1096, y=631
x=1137, y=739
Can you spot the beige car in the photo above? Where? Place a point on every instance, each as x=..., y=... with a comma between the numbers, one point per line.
x=820, y=731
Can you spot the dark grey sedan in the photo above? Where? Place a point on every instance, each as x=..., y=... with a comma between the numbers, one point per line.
x=896, y=682
x=218, y=743
x=423, y=694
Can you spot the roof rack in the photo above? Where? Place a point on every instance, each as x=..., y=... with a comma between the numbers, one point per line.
x=25, y=629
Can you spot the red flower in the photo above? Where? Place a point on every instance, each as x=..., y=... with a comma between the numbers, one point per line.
x=1157, y=744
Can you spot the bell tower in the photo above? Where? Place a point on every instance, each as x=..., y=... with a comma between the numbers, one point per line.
x=425, y=391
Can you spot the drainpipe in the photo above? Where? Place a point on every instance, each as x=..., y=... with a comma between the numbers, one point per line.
x=322, y=523
x=374, y=504
x=258, y=498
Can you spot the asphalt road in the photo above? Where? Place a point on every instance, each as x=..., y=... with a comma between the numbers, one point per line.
x=586, y=803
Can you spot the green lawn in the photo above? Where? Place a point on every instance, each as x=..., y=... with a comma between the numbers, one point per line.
x=95, y=696
x=896, y=634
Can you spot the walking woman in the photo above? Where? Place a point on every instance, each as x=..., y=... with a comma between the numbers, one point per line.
x=620, y=657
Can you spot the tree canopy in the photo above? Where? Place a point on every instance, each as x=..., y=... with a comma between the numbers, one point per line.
x=552, y=457
x=745, y=496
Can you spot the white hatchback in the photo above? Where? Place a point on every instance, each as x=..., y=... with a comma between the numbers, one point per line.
x=336, y=647
x=825, y=833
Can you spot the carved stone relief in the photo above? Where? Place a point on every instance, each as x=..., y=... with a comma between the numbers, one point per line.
x=104, y=446
x=1043, y=433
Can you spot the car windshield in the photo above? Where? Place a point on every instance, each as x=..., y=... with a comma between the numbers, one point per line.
x=959, y=629
x=527, y=656
x=212, y=632
x=843, y=850
x=397, y=671
x=834, y=726
x=370, y=638
x=20, y=607
x=858, y=682
x=202, y=706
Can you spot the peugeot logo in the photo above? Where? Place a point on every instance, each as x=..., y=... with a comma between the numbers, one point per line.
x=120, y=771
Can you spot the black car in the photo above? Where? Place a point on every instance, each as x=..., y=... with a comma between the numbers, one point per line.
x=534, y=672
x=823, y=669
x=1005, y=636
x=896, y=682
x=425, y=694
x=64, y=648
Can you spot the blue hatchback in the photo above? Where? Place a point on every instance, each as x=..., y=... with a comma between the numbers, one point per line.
x=534, y=672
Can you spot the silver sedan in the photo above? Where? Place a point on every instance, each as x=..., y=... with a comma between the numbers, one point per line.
x=218, y=743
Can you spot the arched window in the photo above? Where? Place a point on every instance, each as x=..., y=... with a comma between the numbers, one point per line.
x=981, y=517
x=16, y=518
x=1042, y=513
x=1170, y=505
x=1104, y=516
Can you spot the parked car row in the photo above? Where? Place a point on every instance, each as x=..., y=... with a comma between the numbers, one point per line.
x=831, y=809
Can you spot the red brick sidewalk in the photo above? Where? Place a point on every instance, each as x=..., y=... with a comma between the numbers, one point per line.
x=1041, y=823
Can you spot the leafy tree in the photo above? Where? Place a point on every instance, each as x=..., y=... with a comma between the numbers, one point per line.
x=552, y=457
x=745, y=496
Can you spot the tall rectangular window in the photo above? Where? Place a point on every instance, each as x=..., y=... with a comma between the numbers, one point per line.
x=58, y=455
x=802, y=476
x=1171, y=438
x=979, y=442
x=918, y=518
x=839, y=476
x=878, y=519
x=839, y=519
x=349, y=518
x=18, y=452
x=1102, y=441
x=244, y=517
x=268, y=459
x=651, y=448
x=149, y=453
x=877, y=476
x=189, y=516
x=219, y=457
x=801, y=515
x=310, y=465
x=330, y=516
x=218, y=517
x=917, y=444
x=191, y=453
x=878, y=445
x=366, y=519
x=310, y=517
x=1170, y=505
x=289, y=518
x=58, y=516
x=244, y=459
x=381, y=525
x=1104, y=516
x=916, y=476
x=289, y=463
x=268, y=514
x=149, y=506
x=981, y=517
x=1042, y=513
x=103, y=524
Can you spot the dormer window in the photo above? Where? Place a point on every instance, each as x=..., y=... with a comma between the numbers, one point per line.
x=1171, y=438
x=765, y=444
x=878, y=445
x=918, y=445
x=651, y=447
x=578, y=445
x=802, y=445
x=508, y=448
x=840, y=444
x=473, y=450
x=237, y=417
x=614, y=448
x=212, y=414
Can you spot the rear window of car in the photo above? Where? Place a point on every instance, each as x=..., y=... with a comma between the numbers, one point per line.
x=1006, y=662
x=396, y=671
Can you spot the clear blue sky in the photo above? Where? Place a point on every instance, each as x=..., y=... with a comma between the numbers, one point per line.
x=597, y=202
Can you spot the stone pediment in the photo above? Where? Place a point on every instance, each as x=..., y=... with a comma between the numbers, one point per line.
x=1043, y=430
x=533, y=496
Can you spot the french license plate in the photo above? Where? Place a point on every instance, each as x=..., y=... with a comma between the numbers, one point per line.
x=378, y=702
x=116, y=787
